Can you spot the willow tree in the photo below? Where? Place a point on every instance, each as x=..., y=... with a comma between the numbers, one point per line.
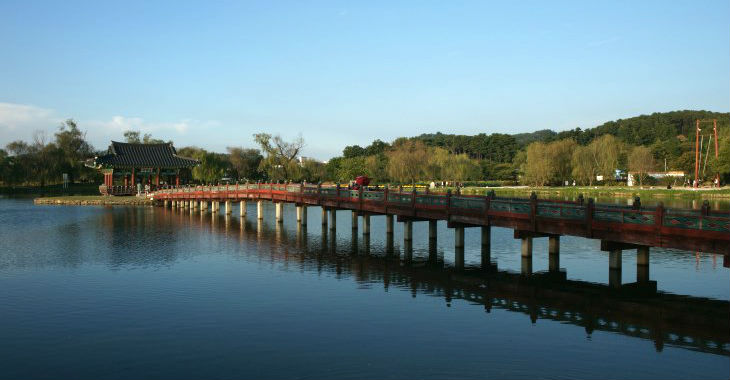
x=641, y=161
x=406, y=161
x=280, y=161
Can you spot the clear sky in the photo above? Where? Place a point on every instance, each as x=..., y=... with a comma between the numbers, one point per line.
x=212, y=74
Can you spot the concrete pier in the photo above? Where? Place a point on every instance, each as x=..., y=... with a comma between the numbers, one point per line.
x=298, y=209
x=229, y=208
x=642, y=264
x=324, y=216
x=279, y=207
x=164, y=203
x=389, y=224
x=526, y=246
x=526, y=267
x=459, y=237
x=459, y=248
x=486, y=247
x=408, y=230
x=554, y=253
x=432, y=229
x=304, y=216
x=196, y=205
x=242, y=208
x=260, y=210
x=333, y=219
x=614, y=268
x=354, y=220
x=366, y=224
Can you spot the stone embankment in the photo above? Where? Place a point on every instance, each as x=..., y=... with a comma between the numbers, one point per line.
x=93, y=201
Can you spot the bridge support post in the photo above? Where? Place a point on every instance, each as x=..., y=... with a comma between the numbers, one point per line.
x=260, y=210
x=229, y=209
x=527, y=246
x=324, y=216
x=408, y=231
x=459, y=248
x=526, y=267
x=279, y=207
x=642, y=264
x=242, y=208
x=303, y=222
x=354, y=220
x=333, y=219
x=164, y=203
x=486, y=247
x=432, y=230
x=299, y=213
x=614, y=268
x=554, y=253
x=389, y=224
x=366, y=224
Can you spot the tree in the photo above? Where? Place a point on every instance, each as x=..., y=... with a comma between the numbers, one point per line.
x=583, y=167
x=406, y=160
x=280, y=160
x=212, y=166
x=539, y=167
x=641, y=161
x=561, y=154
x=72, y=142
x=132, y=137
x=245, y=162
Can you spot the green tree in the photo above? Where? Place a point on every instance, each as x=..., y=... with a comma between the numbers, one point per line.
x=641, y=162
x=280, y=161
x=406, y=160
x=245, y=162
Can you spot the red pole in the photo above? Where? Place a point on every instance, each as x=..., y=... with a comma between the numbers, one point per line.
x=133, y=181
x=717, y=175
x=697, y=154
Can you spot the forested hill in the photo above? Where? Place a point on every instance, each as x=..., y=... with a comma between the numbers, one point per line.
x=638, y=130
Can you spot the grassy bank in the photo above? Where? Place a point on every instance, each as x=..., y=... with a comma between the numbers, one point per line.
x=92, y=200
x=604, y=192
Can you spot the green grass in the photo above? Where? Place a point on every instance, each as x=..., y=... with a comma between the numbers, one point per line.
x=605, y=192
x=92, y=200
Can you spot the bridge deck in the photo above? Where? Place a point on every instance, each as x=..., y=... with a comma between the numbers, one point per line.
x=692, y=230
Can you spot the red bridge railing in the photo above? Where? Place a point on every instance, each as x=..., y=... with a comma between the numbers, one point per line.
x=697, y=230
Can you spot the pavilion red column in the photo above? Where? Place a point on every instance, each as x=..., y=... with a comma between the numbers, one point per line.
x=177, y=179
x=157, y=178
x=133, y=182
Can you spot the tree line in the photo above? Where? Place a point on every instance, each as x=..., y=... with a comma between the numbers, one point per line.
x=640, y=144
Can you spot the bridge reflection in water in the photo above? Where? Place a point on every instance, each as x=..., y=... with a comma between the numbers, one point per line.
x=689, y=322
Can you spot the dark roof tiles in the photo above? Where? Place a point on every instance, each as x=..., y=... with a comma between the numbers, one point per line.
x=144, y=155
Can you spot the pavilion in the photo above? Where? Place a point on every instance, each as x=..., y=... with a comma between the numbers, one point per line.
x=125, y=165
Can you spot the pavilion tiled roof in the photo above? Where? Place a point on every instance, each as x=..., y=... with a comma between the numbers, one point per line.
x=126, y=155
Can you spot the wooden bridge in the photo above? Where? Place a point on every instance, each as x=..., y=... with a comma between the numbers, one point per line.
x=618, y=227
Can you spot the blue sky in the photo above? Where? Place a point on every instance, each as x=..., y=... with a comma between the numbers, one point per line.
x=212, y=74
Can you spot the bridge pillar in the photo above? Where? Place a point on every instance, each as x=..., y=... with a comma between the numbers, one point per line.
x=298, y=209
x=366, y=224
x=354, y=220
x=333, y=219
x=204, y=205
x=242, y=208
x=554, y=253
x=164, y=203
x=173, y=204
x=614, y=268
x=229, y=209
x=432, y=230
x=527, y=246
x=526, y=267
x=486, y=247
x=642, y=264
x=459, y=248
x=408, y=230
x=389, y=224
x=324, y=216
x=196, y=205
x=304, y=216
x=279, y=211
x=260, y=210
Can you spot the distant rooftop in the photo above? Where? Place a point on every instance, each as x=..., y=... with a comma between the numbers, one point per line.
x=126, y=155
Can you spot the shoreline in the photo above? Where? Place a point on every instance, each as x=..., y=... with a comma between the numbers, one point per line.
x=93, y=200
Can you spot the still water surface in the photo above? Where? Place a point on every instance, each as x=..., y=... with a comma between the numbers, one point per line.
x=142, y=292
